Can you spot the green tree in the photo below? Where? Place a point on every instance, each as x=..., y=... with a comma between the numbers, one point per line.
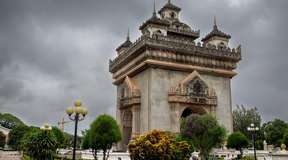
x=2, y=140
x=274, y=131
x=16, y=135
x=68, y=140
x=86, y=140
x=204, y=131
x=159, y=145
x=38, y=144
x=285, y=138
x=8, y=120
x=60, y=138
x=238, y=140
x=104, y=132
x=243, y=117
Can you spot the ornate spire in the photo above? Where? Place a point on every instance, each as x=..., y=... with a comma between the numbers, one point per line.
x=127, y=43
x=216, y=32
x=128, y=34
x=215, y=23
x=154, y=9
x=169, y=6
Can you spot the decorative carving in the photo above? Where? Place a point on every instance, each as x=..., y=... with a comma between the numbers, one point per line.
x=178, y=47
x=193, y=90
x=127, y=118
x=196, y=87
x=130, y=94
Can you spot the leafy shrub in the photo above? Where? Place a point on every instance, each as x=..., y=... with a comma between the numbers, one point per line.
x=39, y=144
x=238, y=140
x=103, y=133
x=158, y=145
x=204, y=131
x=16, y=135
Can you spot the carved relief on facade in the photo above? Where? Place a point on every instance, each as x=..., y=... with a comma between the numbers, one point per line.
x=193, y=90
x=129, y=108
x=129, y=94
x=191, y=96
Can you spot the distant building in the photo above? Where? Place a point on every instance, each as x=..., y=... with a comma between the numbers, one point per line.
x=165, y=75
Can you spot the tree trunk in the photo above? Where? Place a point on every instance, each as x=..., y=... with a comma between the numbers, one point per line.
x=95, y=154
x=241, y=152
x=104, y=154
x=108, y=154
x=204, y=156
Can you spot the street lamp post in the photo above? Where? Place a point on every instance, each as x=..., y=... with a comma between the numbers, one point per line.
x=46, y=127
x=253, y=130
x=76, y=113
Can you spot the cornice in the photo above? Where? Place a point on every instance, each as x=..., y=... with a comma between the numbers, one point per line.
x=170, y=66
x=180, y=48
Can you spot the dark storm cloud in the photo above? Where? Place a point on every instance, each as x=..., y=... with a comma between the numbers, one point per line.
x=55, y=51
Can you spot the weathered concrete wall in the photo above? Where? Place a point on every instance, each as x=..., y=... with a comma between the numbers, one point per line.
x=162, y=80
x=143, y=80
x=222, y=87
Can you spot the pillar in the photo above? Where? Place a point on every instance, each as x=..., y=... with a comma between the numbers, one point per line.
x=135, y=121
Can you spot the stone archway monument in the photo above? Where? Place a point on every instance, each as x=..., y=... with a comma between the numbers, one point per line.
x=166, y=74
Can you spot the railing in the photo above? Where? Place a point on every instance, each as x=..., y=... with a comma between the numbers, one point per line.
x=188, y=32
x=182, y=46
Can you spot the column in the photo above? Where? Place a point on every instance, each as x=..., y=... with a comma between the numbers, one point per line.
x=174, y=118
x=135, y=121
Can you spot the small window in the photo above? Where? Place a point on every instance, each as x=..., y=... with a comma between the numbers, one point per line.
x=122, y=92
x=158, y=32
x=172, y=15
x=197, y=88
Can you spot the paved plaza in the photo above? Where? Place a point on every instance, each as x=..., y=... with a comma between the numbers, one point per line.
x=11, y=155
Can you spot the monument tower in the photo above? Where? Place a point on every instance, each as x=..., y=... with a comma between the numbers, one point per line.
x=166, y=75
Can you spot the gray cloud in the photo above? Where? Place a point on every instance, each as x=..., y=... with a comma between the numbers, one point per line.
x=53, y=52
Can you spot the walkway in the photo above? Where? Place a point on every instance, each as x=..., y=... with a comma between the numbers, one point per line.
x=10, y=155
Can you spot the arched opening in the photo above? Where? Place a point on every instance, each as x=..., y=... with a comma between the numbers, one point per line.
x=127, y=127
x=187, y=112
x=195, y=110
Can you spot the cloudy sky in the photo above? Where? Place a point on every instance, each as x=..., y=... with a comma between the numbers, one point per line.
x=55, y=51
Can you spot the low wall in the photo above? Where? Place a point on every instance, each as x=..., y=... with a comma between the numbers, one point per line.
x=282, y=155
x=87, y=155
x=10, y=155
x=226, y=154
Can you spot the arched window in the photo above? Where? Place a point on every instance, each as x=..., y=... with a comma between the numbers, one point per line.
x=158, y=32
x=196, y=88
x=221, y=45
x=172, y=15
x=187, y=112
x=122, y=92
x=127, y=118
